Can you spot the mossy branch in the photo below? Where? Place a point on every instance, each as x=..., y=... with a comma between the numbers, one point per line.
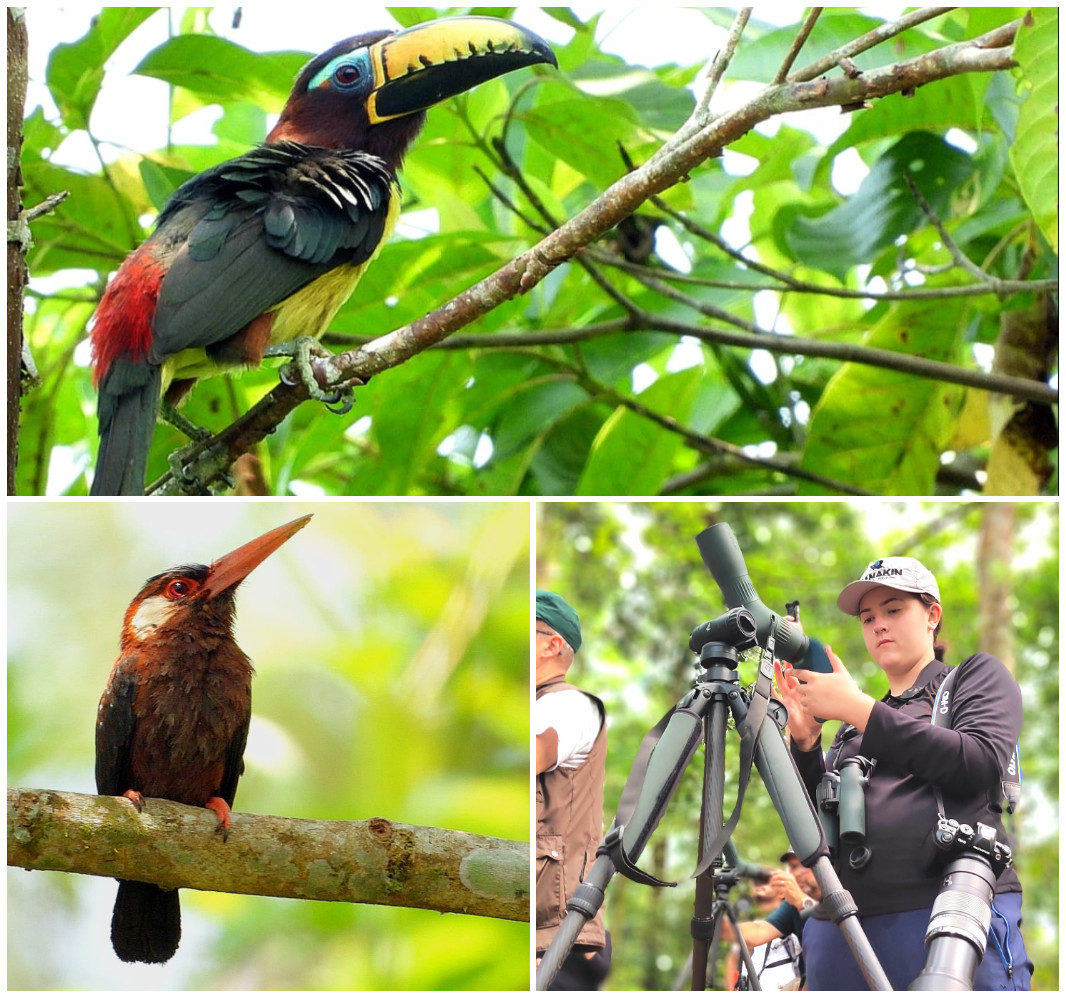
x=375, y=861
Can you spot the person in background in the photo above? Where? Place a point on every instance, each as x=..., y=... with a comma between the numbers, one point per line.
x=774, y=940
x=571, y=753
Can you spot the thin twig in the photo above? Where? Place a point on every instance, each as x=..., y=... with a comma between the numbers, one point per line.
x=798, y=42
x=500, y=196
x=960, y=258
x=863, y=43
x=45, y=207
x=784, y=283
x=712, y=445
x=701, y=116
x=718, y=65
x=922, y=367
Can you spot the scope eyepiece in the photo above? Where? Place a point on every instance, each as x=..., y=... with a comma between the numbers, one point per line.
x=736, y=627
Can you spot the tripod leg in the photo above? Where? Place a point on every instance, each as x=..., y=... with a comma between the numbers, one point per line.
x=704, y=921
x=745, y=953
x=804, y=830
x=665, y=769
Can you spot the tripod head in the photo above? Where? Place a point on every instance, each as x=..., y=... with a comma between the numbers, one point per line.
x=722, y=555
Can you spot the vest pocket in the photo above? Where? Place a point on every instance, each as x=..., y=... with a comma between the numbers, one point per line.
x=551, y=901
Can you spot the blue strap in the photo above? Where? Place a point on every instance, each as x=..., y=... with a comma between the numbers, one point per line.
x=1006, y=958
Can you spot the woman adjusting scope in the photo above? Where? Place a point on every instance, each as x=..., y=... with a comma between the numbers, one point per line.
x=918, y=778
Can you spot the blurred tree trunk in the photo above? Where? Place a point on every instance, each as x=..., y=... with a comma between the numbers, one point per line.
x=994, y=550
x=17, y=74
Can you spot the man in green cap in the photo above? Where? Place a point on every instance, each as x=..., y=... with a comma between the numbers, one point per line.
x=571, y=756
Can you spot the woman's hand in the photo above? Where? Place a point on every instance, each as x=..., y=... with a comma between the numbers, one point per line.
x=802, y=726
x=830, y=695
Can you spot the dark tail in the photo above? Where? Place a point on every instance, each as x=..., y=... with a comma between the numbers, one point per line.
x=146, y=926
x=127, y=410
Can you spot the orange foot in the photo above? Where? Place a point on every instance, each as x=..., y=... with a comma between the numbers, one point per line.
x=136, y=797
x=221, y=809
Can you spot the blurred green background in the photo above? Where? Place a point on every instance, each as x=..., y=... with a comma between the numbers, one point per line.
x=635, y=576
x=392, y=658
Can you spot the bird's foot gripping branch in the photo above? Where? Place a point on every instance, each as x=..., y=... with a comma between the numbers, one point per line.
x=339, y=398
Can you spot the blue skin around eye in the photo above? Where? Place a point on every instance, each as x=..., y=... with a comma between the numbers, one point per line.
x=360, y=59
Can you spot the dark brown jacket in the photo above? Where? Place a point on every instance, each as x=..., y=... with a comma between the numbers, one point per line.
x=569, y=829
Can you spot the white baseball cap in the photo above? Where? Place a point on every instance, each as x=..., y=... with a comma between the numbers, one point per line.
x=906, y=574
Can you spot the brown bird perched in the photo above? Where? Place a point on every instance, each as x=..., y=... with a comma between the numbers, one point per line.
x=173, y=720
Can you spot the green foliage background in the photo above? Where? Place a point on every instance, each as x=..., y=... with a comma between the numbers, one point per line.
x=634, y=574
x=391, y=650
x=615, y=414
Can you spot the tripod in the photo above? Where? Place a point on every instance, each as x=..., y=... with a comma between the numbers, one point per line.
x=702, y=713
x=723, y=878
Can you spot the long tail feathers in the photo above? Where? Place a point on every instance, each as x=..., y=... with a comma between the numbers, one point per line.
x=146, y=926
x=127, y=410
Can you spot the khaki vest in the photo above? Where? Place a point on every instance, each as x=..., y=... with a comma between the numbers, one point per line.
x=569, y=830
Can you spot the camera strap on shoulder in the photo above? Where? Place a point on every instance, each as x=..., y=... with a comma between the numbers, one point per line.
x=1011, y=778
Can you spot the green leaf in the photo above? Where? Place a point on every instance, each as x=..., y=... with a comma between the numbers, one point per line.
x=406, y=17
x=557, y=465
x=884, y=207
x=93, y=227
x=76, y=70
x=633, y=455
x=761, y=59
x=884, y=431
x=945, y=104
x=531, y=409
x=218, y=70
x=584, y=131
x=659, y=103
x=1034, y=153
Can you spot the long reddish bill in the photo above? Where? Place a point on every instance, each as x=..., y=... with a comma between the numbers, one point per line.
x=237, y=565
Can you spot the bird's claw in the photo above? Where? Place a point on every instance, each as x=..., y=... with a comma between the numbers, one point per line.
x=136, y=798
x=180, y=470
x=340, y=399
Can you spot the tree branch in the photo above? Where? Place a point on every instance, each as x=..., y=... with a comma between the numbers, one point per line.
x=718, y=65
x=369, y=862
x=798, y=42
x=17, y=76
x=882, y=33
x=669, y=166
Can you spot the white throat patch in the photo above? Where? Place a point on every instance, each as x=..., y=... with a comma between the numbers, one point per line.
x=154, y=612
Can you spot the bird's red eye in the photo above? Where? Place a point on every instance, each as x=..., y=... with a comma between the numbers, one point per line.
x=346, y=75
x=177, y=589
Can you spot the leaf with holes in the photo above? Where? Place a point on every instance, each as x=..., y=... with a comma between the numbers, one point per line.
x=883, y=431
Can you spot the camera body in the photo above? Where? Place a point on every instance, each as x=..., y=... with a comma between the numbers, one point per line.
x=954, y=838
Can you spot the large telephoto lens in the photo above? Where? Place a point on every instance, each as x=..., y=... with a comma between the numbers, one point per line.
x=958, y=927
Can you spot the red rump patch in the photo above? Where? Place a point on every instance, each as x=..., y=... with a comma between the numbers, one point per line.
x=122, y=325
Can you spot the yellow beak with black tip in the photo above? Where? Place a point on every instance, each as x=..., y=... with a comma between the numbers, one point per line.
x=428, y=63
